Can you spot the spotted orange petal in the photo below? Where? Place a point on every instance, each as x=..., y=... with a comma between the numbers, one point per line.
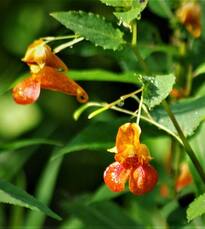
x=54, y=80
x=142, y=179
x=115, y=177
x=27, y=91
x=40, y=54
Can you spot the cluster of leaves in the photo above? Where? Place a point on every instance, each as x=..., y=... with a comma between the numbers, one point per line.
x=101, y=208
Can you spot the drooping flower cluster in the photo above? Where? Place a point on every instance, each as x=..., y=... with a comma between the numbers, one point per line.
x=47, y=71
x=132, y=162
x=189, y=14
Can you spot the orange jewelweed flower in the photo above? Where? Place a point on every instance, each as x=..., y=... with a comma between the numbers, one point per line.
x=185, y=177
x=48, y=73
x=132, y=163
x=189, y=14
x=28, y=91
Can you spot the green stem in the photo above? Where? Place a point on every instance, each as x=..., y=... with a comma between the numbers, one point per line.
x=186, y=144
x=134, y=34
x=110, y=105
x=135, y=48
x=189, y=81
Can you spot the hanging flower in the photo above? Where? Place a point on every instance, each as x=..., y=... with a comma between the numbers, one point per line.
x=47, y=72
x=189, y=14
x=131, y=163
x=28, y=91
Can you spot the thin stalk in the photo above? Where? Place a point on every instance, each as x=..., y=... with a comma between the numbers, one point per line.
x=50, y=39
x=143, y=107
x=140, y=109
x=186, y=144
x=110, y=105
x=151, y=121
x=134, y=34
x=67, y=44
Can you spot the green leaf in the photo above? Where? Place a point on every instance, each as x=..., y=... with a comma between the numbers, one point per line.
x=92, y=27
x=44, y=192
x=98, y=135
x=200, y=70
x=27, y=142
x=102, y=75
x=134, y=13
x=196, y=208
x=13, y=195
x=157, y=88
x=101, y=215
x=103, y=193
x=117, y=3
x=198, y=143
x=188, y=112
x=72, y=223
x=161, y=8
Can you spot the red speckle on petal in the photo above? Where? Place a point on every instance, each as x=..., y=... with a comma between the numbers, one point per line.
x=142, y=179
x=115, y=177
x=27, y=91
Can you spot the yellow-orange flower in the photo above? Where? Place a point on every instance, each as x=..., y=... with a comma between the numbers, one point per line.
x=189, y=14
x=47, y=71
x=131, y=163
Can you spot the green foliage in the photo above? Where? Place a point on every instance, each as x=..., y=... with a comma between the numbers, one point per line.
x=13, y=195
x=118, y=3
x=199, y=70
x=102, y=214
x=196, y=208
x=96, y=136
x=103, y=193
x=161, y=8
x=44, y=192
x=102, y=75
x=14, y=145
x=189, y=113
x=93, y=27
x=157, y=88
x=133, y=13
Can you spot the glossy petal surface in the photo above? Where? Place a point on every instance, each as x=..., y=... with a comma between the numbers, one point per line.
x=27, y=91
x=115, y=177
x=52, y=79
x=142, y=179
